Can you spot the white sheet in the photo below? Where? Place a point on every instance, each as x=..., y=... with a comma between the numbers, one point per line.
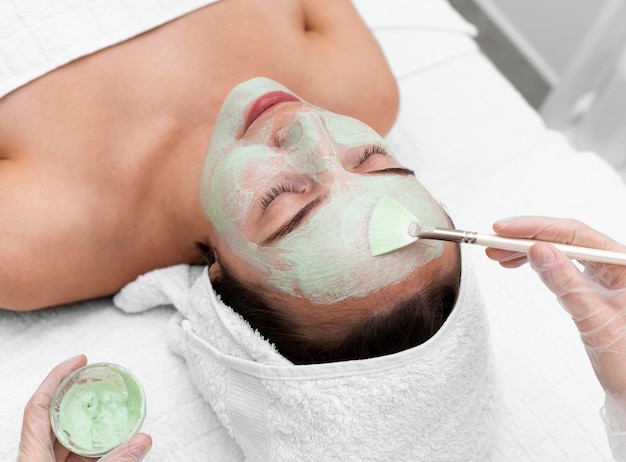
x=486, y=154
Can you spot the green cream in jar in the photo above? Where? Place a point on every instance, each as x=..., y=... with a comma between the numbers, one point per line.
x=97, y=408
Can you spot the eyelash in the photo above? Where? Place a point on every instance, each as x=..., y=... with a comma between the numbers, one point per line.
x=370, y=151
x=276, y=191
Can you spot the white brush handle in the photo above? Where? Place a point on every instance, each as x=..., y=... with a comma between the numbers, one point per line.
x=571, y=251
x=522, y=245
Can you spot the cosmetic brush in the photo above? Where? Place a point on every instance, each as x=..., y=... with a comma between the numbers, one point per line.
x=392, y=227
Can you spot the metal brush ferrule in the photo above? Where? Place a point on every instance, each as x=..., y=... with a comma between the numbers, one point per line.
x=443, y=234
x=470, y=237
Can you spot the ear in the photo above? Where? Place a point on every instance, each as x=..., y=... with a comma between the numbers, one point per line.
x=215, y=272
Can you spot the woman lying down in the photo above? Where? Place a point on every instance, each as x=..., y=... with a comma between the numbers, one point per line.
x=305, y=345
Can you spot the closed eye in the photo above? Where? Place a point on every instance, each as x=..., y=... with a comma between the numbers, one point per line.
x=371, y=150
x=393, y=171
x=279, y=189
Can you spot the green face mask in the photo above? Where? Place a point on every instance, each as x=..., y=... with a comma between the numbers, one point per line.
x=327, y=258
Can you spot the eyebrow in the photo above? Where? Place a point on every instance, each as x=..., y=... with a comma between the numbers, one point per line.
x=305, y=211
x=293, y=222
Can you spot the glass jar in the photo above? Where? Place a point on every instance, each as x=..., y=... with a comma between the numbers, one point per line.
x=97, y=408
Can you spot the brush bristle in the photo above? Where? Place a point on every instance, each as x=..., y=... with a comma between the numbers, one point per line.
x=389, y=227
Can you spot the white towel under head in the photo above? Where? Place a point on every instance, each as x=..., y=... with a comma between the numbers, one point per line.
x=433, y=402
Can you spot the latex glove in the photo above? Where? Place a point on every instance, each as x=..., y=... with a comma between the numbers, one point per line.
x=595, y=298
x=38, y=443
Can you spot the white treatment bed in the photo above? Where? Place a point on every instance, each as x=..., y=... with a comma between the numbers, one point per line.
x=476, y=144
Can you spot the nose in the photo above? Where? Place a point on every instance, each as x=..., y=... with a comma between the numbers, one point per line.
x=301, y=132
x=309, y=146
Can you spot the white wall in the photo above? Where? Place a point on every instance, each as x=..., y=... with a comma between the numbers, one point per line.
x=547, y=32
x=579, y=48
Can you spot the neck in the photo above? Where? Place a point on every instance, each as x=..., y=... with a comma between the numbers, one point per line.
x=184, y=204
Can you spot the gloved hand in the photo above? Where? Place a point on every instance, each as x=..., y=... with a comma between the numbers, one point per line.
x=595, y=298
x=38, y=443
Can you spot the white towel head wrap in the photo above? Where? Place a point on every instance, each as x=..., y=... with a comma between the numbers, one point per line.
x=433, y=402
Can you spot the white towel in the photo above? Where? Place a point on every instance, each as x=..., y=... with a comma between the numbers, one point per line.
x=433, y=402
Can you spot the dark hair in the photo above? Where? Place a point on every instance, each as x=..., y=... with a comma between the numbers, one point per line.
x=410, y=322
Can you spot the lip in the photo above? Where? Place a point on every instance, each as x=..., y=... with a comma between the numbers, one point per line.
x=265, y=102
